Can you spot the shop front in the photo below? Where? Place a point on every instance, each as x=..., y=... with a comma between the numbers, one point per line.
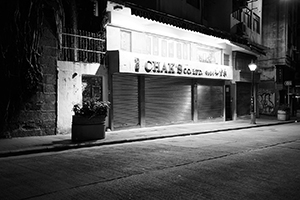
x=147, y=100
x=243, y=83
x=148, y=91
x=161, y=75
x=141, y=100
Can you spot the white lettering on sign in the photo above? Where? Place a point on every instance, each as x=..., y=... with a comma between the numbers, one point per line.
x=287, y=83
x=173, y=68
x=155, y=65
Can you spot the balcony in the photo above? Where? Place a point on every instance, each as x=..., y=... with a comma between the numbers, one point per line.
x=246, y=23
x=242, y=76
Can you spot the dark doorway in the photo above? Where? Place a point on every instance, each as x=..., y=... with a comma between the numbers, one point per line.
x=228, y=113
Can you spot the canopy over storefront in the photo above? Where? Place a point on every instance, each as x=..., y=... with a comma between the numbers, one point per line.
x=181, y=23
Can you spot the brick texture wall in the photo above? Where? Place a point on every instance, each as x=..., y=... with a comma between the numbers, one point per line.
x=38, y=117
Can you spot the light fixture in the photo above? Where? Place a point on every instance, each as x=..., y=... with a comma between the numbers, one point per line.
x=252, y=66
x=118, y=7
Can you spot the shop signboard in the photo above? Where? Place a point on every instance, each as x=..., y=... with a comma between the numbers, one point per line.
x=154, y=65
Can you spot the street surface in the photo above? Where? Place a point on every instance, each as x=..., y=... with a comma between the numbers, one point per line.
x=257, y=163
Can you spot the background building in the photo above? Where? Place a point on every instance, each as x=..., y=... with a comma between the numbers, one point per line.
x=240, y=22
x=279, y=66
x=198, y=98
x=162, y=74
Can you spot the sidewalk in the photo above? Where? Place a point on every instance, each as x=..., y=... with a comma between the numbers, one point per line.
x=39, y=144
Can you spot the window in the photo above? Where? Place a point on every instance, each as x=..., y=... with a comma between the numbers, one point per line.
x=247, y=19
x=195, y=3
x=256, y=23
x=91, y=87
x=226, y=59
x=237, y=15
x=125, y=40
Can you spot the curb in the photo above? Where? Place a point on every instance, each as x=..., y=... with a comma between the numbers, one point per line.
x=71, y=146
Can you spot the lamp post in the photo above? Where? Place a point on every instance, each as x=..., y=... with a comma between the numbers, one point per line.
x=252, y=66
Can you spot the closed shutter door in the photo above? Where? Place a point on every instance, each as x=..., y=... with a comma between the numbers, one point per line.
x=167, y=100
x=125, y=101
x=210, y=100
x=243, y=98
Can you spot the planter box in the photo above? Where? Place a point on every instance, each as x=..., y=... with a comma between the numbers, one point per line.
x=283, y=115
x=84, y=129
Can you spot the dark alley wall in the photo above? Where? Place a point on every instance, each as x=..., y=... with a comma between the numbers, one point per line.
x=38, y=116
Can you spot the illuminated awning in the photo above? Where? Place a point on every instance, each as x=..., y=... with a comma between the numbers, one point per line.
x=189, y=25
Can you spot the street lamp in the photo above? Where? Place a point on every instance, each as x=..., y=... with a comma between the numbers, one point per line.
x=252, y=66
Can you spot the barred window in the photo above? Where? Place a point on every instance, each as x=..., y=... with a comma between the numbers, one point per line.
x=247, y=19
x=256, y=23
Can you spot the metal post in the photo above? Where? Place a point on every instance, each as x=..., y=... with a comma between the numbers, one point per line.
x=252, y=110
x=288, y=96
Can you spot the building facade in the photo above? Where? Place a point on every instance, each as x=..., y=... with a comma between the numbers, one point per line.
x=279, y=65
x=246, y=21
x=162, y=71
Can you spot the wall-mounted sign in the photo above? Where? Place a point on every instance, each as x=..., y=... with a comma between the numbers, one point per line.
x=287, y=83
x=143, y=64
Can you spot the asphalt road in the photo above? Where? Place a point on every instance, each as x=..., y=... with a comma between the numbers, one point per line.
x=258, y=163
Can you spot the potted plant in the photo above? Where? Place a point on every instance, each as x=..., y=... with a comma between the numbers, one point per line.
x=88, y=122
x=283, y=112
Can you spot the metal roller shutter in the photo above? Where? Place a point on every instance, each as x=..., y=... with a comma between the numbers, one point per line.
x=210, y=100
x=167, y=100
x=125, y=101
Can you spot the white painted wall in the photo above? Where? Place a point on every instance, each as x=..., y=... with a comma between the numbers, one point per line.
x=70, y=90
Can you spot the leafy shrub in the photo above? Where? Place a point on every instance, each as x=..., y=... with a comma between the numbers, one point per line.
x=92, y=108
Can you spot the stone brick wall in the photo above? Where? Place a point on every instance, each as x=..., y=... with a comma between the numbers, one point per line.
x=39, y=115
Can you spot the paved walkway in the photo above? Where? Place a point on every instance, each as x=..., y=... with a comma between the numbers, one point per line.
x=38, y=144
